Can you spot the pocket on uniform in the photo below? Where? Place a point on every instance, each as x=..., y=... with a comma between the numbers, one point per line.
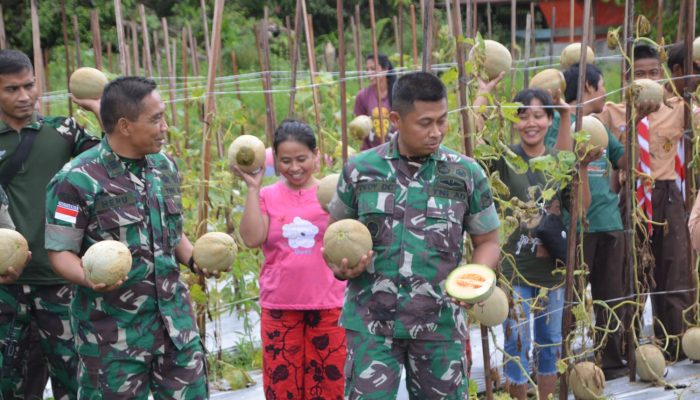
x=173, y=216
x=114, y=221
x=376, y=212
x=443, y=224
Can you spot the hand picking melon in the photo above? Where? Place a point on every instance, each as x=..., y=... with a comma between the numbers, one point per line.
x=108, y=262
x=87, y=83
x=215, y=251
x=471, y=283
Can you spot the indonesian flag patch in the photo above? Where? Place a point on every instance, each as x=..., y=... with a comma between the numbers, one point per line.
x=66, y=212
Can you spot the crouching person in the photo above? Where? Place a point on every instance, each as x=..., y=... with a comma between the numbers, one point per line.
x=138, y=335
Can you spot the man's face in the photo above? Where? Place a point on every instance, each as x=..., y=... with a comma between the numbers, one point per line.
x=147, y=134
x=648, y=68
x=18, y=95
x=422, y=129
x=595, y=96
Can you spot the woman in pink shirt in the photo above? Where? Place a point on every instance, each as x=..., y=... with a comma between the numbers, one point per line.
x=303, y=346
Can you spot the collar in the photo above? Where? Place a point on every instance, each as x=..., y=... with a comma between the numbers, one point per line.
x=35, y=123
x=112, y=162
x=392, y=150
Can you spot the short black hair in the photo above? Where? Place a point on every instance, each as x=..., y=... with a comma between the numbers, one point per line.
x=386, y=64
x=14, y=62
x=526, y=96
x=122, y=98
x=644, y=51
x=416, y=86
x=298, y=131
x=593, y=77
x=676, y=56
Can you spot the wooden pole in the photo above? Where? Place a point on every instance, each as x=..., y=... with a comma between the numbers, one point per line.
x=135, y=47
x=358, y=52
x=448, y=14
x=341, y=70
x=688, y=99
x=295, y=56
x=513, y=27
x=3, y=36
x=571, y=259
x=47, y=80
x=528, y=37
x=205, y=24
x=109, y=56
x=264, y=56
x=147, y=60
x=659, y=20
x=468, y=18
x=193, y=50
x=551, y=35
x=64, y=27
x=395, y=22
x=76, y=36
x=234, y=68
x=571, y=21
x=185, y=104
x=413, y=36
x=156, y=50
x=375, y=53
x=475, y=18
x=96, y=38
x=681, y=13
x=401, y=35
x=123, y=65
x=312, y=71
x=427, y=34
x=38, y=61
x=127, y=54
x=488, y=20
x=171, y=70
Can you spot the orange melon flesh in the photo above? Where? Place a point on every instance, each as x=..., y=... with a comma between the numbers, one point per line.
x=471, y=283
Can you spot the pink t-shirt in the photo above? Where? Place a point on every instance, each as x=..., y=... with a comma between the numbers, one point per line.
x=294, y=275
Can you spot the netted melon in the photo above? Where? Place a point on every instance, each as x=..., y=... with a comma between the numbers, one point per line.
x=326, y=189
x=493, y=311
x=471, y=283
x=14, y=250
x=87, y=83
x=647, y=90
x=598, y=133
x=108, y=262
x=587, y=381
x=248, y=153
x=549, y=79
x=360, y=126
x=691, y=343
x=215, y=251
x=347, y=238
x=572, y=55
x=497, y=58
x=650, y=362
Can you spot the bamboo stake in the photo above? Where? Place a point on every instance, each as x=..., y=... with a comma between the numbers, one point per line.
x=341, y=70
x=38, y=62
x=659, y=20
x=3, y=36
x=358, y=53
x=76, y=36
x=185, y=104
x=395, y=22
x=47, y=80
x=156, y=49
x=571, y=21
x=681, y=13
x=358, y=46
x=413, y=36
x=448, y=14
x=135, y=47
x=295, y=56
x=375, y=54
x=488, y=20
x=401, y=35
x=290, y=36
x=123, y=65
x=127, y=54
x=109, y=56
x=574, y=209
x=475, y=18
x=171, y=71
x=551, y=35
x=688, y=99
x=468, y=18
x=234, y=68
x=96, y=38
x=427, y=34
x=193, y=50
x=147, y=60
x=205, y=24
x=312, y=71
x=264, y=57
x=513, y=27
x=64, y=27
x=528, y=37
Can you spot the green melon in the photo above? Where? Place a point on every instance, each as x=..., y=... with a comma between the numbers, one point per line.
x=650, y=363
x=471, y=283
x=215, y=251
x=248, y=153
x=493, y=311
x=87, y=83
x=347, y=238
x=14, y=249
x=108, y=262
x=572, y=55
x=326, y=189
x=587, y=381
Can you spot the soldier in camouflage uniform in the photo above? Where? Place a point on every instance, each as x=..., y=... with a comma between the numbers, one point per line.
x=139, y=335
x=5, y=220
x=417, y=199
x=38, y=299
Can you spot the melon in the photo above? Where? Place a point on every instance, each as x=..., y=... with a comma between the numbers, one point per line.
x=587, y=381
x=497, y=58
x=248, y=153
x=87, y=83
x=347, y=238
x=691, y=343
x=360, y=126
x=471, y=283
x=108, y=262
x=215, y=251
x=493, y=311
x=696, y=49
x=597, y=131
x=549, y=79
x=647, y=90
x=326, y=189
x=572, y=55
x=650, y=363
x=14, y=249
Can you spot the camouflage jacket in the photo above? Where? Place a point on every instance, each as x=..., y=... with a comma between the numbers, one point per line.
x=5, y=220
x=100, y=196
x=417, y=221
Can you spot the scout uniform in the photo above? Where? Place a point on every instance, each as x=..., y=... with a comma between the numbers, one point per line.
x=39, y=295
x=417, y=213
x=668, y=242
x=143, y=334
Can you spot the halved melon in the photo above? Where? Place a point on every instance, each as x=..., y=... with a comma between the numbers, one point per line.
x=471, y=283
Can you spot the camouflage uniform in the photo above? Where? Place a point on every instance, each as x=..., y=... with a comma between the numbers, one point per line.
x=5, y=220
x=417, y=214
x=39, y=299
x=141, y=336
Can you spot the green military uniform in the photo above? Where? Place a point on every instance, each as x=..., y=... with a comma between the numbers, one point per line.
x=5, y=219
x=39, y=295
x=417, y=213
x=143, y=334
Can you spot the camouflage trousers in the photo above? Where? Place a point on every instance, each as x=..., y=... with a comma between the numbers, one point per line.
x=48, y=308
x=174, y=374
x=434, y=369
